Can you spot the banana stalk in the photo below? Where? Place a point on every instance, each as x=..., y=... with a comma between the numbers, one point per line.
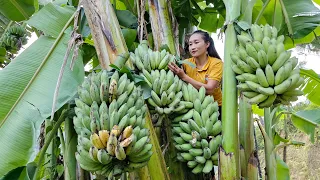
x=271, y=171
x=53, y=157
x=229, y=153
x=70, y=162
x=163, y=24
x=246, y=133
x=50, y=137
x=105, y=30
x=156, y=165
x=248, y=159
x=176, y=168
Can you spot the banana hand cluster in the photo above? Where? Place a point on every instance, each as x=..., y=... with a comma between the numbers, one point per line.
x=14, y=38
x=110, y=123
x=197, y=132
x=145, y=58
x=266, y=73
x=193, y=115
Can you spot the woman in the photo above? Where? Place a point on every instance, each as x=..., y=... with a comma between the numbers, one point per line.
x=208, y=71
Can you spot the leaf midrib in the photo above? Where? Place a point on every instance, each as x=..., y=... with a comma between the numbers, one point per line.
x=39, y=69
x=15, y=4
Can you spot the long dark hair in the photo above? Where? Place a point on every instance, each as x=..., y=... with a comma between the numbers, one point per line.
x=207, y=39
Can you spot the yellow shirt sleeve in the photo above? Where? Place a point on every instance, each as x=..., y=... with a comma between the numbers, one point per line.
x=215, y=70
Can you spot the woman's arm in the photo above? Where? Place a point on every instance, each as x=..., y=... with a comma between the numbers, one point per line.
x=209, y=86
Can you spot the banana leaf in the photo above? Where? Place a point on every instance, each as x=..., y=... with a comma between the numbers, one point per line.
x=27, y=86
x=18, y=10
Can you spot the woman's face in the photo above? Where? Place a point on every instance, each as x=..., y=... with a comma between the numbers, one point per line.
x=197, y=46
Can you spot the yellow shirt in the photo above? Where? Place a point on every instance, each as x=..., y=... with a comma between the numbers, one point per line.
x=212, y=69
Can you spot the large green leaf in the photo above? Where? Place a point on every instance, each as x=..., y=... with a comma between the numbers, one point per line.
x=283, y=172
x=4, y=23
x=289, y=43
x=211, y=21
x=303, y=15
x=129, y=4
x=129, y=36
x=22, y=124
x=311, y=88
x=307, y=121
x=127, y=19
x=51, y=13
x=18, y=10
x=14, y=174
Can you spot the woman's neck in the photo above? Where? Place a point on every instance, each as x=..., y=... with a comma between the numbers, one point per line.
x=201, y=60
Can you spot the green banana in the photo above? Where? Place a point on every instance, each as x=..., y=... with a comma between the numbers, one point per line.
x=266, y=42
x=198, y=168
x=262, y=58
x=207, y=167
x=284, y=56
x=195, y=152
x=262, y=78
x=192, y=164
x=253, y=63
x=236, y=69
x=243, y=40
x=207, y=153
x=251, y=51
x=279, y=76
x=268, y=102
x=243, y=87
x=257, y=32
x=272, y=54
x=270, y=75
x=249, y=94
x=258, y=99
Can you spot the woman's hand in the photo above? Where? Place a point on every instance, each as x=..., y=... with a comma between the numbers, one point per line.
x=176, y=70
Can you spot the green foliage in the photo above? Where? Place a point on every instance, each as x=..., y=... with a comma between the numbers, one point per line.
x=307, y=121
x=60, y=16
x=311, y=88
x=127, y=19
x=18, y=10
x=282, y=169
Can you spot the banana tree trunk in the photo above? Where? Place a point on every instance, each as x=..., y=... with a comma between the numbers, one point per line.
x=109, y=43
x=70, y=162
x=163, y=24
x=156, y=165
x=105, y=30
x=248, y=158
x=229, y=153
x=270, y=158
x=245, y=133
x=249, y=161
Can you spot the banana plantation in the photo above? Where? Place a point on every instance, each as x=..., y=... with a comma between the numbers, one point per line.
x=91, y=96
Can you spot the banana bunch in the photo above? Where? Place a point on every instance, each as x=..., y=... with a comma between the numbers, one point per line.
x=145, y=58
x=17, y=30
x=266, y=72
x=14, y=38
x=166, y=95
x=110, y=123
x=197, y=132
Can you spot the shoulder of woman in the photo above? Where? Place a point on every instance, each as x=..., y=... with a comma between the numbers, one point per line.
x=215, y=61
